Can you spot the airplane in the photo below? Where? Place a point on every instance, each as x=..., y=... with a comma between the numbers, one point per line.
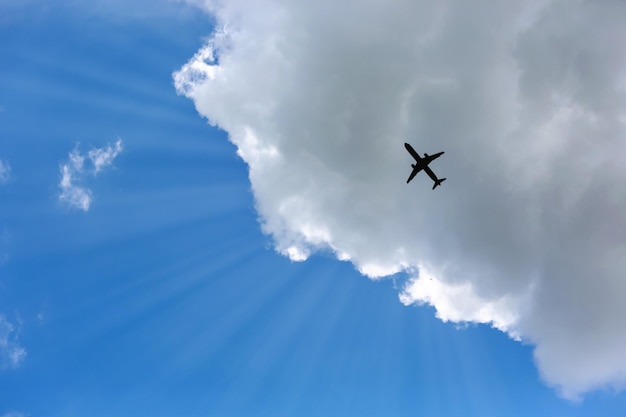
x=422, y=163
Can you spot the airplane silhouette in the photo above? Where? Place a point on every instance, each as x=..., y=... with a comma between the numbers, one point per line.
x=422, y=164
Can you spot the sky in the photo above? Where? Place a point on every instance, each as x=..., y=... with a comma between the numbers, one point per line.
x=204, y=208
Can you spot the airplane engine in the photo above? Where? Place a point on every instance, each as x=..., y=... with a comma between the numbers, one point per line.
x=425, y=155
x=413, y=166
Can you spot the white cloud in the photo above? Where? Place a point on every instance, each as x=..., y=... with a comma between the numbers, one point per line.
x=5, y=171
x=11, y=353
x=76, y=168
x=528, y=99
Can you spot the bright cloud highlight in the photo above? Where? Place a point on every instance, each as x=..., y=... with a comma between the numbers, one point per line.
x=528, y=99
x=80, y=165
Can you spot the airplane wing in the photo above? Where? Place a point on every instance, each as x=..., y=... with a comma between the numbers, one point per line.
x=414, y=172
x=412, y=152
x=431, y=158
x=431, y=174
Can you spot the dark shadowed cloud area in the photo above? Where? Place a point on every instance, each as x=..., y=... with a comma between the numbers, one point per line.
x=527, y=99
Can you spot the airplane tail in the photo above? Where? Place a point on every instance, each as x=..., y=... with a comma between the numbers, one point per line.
x=438, y=182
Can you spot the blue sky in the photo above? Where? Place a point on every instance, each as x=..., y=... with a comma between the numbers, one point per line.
x=165, y=298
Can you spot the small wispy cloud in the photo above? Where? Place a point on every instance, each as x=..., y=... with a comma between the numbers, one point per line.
x=5, y=171
x=72, y=194
x=13, y=414
x=5, y=240
x=103, y=157
x=77, y=166
x=11, y=352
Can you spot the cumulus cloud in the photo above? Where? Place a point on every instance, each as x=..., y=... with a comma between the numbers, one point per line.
x=11, y=353
x=80, y=165
x=528, y=99
x=5, y=171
